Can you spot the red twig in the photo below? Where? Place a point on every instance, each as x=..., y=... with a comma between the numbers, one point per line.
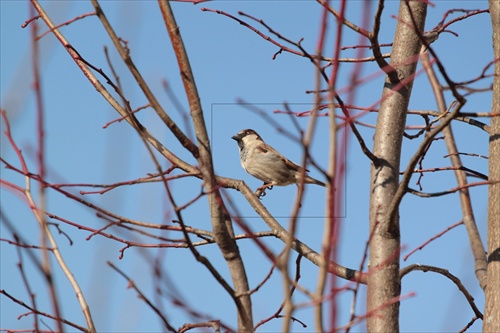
x=269, y=39
x=431, y=239
x=13, y=143
x=27, y=246
x=65, y=23
x=453, y=190
x=441, y=26
x=128, y=115
x=374, y=312
x=35, y=311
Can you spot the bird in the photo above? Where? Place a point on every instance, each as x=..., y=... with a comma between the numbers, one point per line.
x=265, y=163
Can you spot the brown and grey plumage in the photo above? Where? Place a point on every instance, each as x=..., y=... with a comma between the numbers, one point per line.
x=265, y=163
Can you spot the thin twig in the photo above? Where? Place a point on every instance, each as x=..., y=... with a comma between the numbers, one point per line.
x=131, y=284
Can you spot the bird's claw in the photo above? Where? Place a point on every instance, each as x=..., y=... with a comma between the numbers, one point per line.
x=261, y=191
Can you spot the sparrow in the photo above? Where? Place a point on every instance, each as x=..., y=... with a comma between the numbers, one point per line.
x=265, y=163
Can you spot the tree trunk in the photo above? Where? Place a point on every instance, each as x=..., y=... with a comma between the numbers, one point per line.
x=491, y=319
x=383, y=281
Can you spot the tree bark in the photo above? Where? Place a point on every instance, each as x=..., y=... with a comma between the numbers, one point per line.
x=491, y=318
x=383, y=282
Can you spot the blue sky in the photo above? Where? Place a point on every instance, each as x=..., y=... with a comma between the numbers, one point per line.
x=230, y=63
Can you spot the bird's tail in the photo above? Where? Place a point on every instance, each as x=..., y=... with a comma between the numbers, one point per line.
x=311, y=180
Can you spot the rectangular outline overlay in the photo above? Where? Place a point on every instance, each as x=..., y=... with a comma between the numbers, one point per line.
x=212, y=143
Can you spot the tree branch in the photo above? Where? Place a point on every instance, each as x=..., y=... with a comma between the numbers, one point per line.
x=221, y=223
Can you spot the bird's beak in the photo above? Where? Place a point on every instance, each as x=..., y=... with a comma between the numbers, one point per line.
x=235, y=137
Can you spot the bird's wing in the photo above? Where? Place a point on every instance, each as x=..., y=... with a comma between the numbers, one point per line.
x=288, y=163
x=291, y=165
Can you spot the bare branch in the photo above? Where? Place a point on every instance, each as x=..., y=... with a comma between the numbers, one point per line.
x=221, y=223
x=37, y=312
x=131, y=284
x=183, y=139
x=446, y=273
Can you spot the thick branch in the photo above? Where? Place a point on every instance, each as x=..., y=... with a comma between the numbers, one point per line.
x=221, y=223
x=284, y=235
